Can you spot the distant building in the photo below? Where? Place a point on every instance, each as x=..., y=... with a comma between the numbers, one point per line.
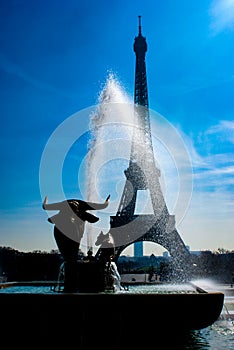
x=138, y=249
x=196, y=252
x=199, y=252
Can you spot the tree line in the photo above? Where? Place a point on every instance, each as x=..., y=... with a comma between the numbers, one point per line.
x=44, y=266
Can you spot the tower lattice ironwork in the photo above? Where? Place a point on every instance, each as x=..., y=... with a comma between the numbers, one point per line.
x=143, y=174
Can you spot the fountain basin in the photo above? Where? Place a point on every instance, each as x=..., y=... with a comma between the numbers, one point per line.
x=81, y=316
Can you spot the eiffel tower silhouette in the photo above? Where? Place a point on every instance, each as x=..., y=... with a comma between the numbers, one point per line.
x=142, y=174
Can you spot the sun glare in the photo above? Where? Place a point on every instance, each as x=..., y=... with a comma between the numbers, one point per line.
x=222, y=13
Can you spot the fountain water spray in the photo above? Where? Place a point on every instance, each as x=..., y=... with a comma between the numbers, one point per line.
x=110, y=125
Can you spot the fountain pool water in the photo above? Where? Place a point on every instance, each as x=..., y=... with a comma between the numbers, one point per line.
x=52, y=288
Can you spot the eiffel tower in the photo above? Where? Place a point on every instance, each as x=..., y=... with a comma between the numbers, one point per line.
x=142, y=174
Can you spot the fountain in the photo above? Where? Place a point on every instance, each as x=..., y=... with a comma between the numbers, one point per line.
x=102, y=310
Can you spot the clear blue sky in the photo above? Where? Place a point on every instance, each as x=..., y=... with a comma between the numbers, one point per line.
x=54, y=58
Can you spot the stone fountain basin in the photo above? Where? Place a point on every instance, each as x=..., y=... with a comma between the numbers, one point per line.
x=81, y=317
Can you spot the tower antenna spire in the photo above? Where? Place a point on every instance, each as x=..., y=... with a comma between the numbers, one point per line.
x=139, y=21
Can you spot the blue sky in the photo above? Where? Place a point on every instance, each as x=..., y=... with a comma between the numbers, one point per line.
x=54, y=59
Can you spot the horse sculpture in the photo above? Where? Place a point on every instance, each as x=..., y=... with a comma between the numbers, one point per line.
x=106, y=252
